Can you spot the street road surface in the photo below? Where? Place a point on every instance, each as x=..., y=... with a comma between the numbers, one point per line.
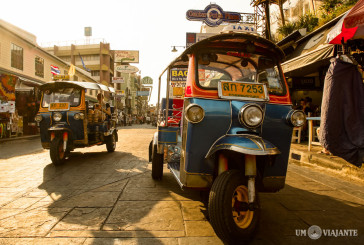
x=110, y=198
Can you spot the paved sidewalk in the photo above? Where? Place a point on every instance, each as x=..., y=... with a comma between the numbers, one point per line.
x=300, y=154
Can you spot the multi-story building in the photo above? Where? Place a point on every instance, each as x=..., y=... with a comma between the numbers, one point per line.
x=24, y=66
x=293, y=10
x=98, y=59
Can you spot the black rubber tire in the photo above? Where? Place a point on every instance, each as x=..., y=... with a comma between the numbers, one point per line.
x=157, y=164
x=58, y=156
x=150, y=151
x=111, y=143
x=220, y=209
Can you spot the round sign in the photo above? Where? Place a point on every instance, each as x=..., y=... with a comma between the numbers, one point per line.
x=147, y=80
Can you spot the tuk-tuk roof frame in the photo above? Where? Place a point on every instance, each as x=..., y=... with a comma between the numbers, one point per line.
x=76, y=84
x=271, y=46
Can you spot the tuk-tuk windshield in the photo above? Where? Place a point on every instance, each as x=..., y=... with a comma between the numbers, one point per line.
x=236, y=66
x=70, y=95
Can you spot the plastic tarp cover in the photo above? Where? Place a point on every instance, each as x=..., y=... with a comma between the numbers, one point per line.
x=342, y=112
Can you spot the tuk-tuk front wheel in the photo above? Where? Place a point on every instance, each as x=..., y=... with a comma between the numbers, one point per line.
x=157, y=164
x=111, y=143
x=56, y=151
x=229, y=215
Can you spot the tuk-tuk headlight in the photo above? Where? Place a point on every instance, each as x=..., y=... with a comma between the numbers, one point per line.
x=194, y=113
x=57, y=116
x=38, y=118
x=79, y=116
x=298, y=118
x=251, y=115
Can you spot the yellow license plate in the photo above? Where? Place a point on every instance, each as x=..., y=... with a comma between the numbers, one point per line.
x=59, y=106
x=242, y=90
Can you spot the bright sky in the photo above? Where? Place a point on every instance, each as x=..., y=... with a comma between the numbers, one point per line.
x=150, y=26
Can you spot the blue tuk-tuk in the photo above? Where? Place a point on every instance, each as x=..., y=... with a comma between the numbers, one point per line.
x=68, y=120
x=232, y=134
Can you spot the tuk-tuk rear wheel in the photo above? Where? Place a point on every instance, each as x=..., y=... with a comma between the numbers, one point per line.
x=56, y=151
x=111, y=143
x=157, y=164
x=230, y=224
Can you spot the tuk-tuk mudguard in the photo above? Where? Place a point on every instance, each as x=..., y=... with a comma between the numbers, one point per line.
x=245, y=144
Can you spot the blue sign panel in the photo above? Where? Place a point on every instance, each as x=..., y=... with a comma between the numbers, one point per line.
x=213, y=15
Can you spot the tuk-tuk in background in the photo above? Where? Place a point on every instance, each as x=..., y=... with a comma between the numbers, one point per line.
x=67, y=120
x=231, y=133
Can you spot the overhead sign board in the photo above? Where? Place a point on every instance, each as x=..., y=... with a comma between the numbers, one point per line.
x=178, y=74
x=61, y=77
x=142, y=93
x=126, y=69
x=192, y=38
x=213, y=15
x=118, y=80
x=147, y=80
x=127, y=56
x=120, y=93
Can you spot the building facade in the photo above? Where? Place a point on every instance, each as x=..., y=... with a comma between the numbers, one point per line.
x=24, y=66
x=98, y=59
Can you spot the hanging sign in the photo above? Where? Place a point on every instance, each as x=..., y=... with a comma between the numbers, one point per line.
x=127, y=56
x=117, y=80
x=179, y=74
x=126, y=69
x=142, y=93
x=213, y=15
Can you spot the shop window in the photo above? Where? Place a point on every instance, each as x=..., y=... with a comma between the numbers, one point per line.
x=39, y=66
x=16, y=56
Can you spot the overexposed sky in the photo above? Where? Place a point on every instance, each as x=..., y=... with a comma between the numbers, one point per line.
x=150, y=26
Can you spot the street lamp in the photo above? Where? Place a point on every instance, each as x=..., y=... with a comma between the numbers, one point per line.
x=174, y=48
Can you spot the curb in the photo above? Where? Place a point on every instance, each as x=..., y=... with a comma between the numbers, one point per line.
x=329, y=162
x=19, y=138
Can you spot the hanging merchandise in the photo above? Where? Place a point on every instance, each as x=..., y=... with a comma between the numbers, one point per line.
x=7, y=87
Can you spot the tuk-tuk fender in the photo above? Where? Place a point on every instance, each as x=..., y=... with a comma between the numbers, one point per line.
x=246, y=144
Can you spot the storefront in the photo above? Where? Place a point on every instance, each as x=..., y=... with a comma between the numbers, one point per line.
x=19, y=103
x=308, y=58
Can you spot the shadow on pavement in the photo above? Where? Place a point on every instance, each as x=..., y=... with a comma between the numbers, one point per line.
x=105, y=196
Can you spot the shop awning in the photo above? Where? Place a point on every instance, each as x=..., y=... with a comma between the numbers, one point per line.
x=310, y=52
x=308, y=61
x=29, y=82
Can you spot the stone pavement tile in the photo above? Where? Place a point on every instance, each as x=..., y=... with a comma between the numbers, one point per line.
x=37, y=193
x=117, y=234
x=270, y=207
x=142, y=182
x=131, y=241
x=329, y=219
x=42, y=241
x=4, y=213
x=11, y=184
x=83, y=219
x=117, y=186
x=199, y=228
x=32, y=223
x=199, y=241
x=16, y=241
x=156, y=194
x=340, y=196
x=22, y=202
x=89, y=199
x=298, y=203
x=193, y=210
x=145, y=215
x=5, y=200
